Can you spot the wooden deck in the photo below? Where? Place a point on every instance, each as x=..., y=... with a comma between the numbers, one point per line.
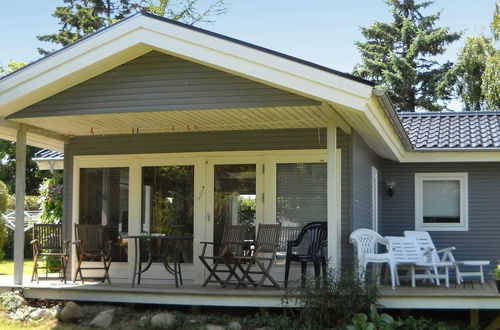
x=468, y=296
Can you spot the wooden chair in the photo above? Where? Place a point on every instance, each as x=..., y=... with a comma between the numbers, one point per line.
x=48, y=244
x=92, y=246
x=228, y=249
x=314, y=234
x=263, y=257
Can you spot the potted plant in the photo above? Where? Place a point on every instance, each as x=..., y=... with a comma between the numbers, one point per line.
x=496, y=273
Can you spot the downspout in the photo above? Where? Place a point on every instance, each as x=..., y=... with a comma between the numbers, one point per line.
x=391, y=112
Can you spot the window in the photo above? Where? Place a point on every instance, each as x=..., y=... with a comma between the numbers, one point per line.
x=301, y=193
x=441, y=201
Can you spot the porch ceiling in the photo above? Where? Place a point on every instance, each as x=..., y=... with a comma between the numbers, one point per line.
x=186, y=120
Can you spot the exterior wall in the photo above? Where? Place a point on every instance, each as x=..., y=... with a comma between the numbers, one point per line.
x=357, y=163
x=160, y=82
x=481, y=241
x=207, y=141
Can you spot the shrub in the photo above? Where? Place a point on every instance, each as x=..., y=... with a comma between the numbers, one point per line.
x=4, y=197
x=51, y=200
x=30, y=203
x=334, y=302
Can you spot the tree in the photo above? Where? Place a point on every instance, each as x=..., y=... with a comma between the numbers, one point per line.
x=11, y=67
x=475, y=77
x=400, y=56
x=34, y=177
x=82, y=17
x=465, y=79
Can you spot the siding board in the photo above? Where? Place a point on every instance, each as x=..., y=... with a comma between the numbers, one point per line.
x=160, y=82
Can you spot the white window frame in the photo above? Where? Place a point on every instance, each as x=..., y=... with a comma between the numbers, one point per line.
x=463, y=179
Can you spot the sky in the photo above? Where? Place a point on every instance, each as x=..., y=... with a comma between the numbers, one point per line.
x=320, y=31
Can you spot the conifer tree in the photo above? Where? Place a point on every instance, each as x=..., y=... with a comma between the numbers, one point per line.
x=79, y=18
x=400, y=56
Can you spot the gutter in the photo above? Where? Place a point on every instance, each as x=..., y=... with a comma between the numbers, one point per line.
x=391, y=112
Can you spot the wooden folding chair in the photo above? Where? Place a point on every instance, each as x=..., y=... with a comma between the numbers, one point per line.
x=264, y=256
x=48, y=244
x=228, y=249
x=91, y=246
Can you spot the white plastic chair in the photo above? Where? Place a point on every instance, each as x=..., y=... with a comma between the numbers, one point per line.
x=407, y=252
x=366, y=242
x=425, y=242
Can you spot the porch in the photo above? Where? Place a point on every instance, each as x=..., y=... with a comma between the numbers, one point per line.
x=468, y=296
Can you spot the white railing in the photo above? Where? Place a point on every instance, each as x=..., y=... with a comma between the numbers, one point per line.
x=30, y=217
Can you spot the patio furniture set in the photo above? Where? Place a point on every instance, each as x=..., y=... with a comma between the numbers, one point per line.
x=238, y=261
x=413, y=256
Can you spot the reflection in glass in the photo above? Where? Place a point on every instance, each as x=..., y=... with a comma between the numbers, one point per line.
x=234, y=199
x=104, y=201
x=167, y=205
x=301, y=193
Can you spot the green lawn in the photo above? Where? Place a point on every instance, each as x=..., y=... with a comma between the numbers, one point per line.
x=7, y=267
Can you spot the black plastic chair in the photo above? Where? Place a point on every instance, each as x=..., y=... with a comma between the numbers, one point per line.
x=315, y=233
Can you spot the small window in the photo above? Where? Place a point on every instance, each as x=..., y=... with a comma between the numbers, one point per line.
x=441, y=201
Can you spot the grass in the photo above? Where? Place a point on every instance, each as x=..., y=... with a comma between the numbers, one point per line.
x=7, y=268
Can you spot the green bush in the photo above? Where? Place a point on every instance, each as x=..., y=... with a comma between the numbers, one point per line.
x=333, y=302
x=30, y=203
x=51, y=195
x=4, y=197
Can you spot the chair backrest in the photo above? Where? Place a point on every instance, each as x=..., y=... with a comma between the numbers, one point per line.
x=268, y=238
x=90, y=237
x=365, y=241
x=233, y=234
x=49, y=236
x=424, y=241
x=315, y=233
x=405, y=250
x=287, y=234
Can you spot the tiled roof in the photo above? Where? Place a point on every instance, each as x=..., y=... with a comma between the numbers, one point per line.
x=453, y=130
x=46, y=154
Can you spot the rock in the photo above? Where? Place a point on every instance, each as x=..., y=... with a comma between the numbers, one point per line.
x=214, y=327
x=42, y=313
x=71, y=312
x=162, y=320
x=234, y=325
x=103, y=319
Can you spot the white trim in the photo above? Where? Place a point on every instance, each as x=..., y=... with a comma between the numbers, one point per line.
x=334, y=226
x=375, y=199
x=463, y=179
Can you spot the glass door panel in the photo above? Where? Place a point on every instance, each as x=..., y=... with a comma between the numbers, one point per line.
x=234, y=199
x=104, y=201
x=168, y=206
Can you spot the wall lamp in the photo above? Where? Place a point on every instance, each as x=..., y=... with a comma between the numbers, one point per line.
x=390, y=184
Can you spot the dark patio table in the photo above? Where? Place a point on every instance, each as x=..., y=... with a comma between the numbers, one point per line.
x=173, y=240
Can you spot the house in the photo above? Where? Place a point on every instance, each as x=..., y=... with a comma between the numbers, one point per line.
x=166, y=126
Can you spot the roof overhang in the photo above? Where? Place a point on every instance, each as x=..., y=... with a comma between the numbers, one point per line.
x=351, y=100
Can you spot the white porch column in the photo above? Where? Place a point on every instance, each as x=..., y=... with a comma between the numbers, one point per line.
x=333, y=219
x=20, y=191
x=134, y=213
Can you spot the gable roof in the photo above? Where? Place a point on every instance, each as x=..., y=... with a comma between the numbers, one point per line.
x=453, y=130
x=210, y=33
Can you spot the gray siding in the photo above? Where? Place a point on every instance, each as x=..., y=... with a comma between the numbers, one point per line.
x=207, y=141
x=481, y=241
x=363, y=159
x=160, y=82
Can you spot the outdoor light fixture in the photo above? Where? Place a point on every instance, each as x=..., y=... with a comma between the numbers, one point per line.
x=390, y=184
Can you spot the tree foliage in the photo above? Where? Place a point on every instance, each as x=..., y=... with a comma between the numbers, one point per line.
x=400, y=56
x=475, y=77
x=34, y=177
x=465, y=79
x=11, y=67
x=79, y=18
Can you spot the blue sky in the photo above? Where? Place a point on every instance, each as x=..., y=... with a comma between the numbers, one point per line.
x=323, y=31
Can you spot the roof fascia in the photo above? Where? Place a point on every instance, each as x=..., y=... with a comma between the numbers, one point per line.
x=443, y=156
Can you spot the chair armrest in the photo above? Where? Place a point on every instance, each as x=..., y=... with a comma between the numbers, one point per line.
x=76, y=242
x=211, y=243
x=204, y=249
x=33, y=241
x=448, y=249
